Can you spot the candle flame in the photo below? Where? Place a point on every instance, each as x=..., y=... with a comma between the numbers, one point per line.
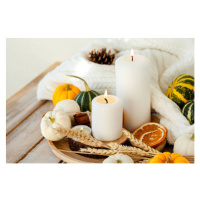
x=105, y=94
x=132, y=53
x=81, y=130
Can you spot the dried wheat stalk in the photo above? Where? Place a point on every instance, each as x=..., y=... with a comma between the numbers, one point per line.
x=138, y=143
x=136, y=158
x=131, y=150
x=137, y=154
x=110, y=152
x=84, y=138
x=115, y=148
x=99, y=151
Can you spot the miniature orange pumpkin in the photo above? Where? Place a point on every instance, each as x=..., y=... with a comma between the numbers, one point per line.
x=167, y=157
x=66, y=91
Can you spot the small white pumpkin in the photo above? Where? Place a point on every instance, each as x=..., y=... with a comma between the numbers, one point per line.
x=70, y=107
x=54, y=124
x=184, y=144
x=118, y=158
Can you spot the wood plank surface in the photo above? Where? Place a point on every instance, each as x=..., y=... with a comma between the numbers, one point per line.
x=24, y=103
x=41, y=154
x=26, y=136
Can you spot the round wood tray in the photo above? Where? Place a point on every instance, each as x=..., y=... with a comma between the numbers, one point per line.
x=70, y=156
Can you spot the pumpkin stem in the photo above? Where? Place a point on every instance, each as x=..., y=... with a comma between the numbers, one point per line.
x=119, y=161
x=192, y=138
x=86, y=85
x=169, y=160
x=67, y=88
x=52, y=120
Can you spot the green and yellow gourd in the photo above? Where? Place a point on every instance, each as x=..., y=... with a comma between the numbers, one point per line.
x=181, y=90
x=84, y=98
x=188, y=111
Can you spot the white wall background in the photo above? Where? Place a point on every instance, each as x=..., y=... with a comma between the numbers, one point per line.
x=27, y=58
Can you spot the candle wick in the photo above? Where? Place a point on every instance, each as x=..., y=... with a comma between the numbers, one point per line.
x=132, y=58
x=106, y=100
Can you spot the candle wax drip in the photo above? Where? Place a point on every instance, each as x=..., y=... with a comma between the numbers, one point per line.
x=106, y=100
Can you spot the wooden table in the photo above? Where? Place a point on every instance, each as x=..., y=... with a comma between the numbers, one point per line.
x=24, y=141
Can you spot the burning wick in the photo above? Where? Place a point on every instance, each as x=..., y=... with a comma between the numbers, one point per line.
x=105, y=96
x=132, y=54
x=106, y=100
x=81, y=130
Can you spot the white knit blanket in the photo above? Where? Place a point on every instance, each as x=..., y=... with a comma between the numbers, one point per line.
x=170, y=58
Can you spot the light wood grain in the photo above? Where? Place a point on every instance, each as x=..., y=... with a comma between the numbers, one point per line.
x=41, y=154
x=26, y=136
x=24, y=103
x=191, y=158
x=69, y=157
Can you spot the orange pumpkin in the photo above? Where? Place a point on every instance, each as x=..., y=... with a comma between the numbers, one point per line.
x=66, y=91
x=167, y=157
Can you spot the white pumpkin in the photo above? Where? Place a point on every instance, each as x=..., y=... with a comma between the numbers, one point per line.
x=70, y=107
x=54, y=124
x=184, y=144
x=118, y=158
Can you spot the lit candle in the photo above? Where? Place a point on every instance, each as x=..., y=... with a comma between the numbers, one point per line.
x=133, y=88
x=107, y=114
x=82, y=128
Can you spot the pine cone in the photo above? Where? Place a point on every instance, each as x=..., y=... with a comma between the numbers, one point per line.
x=101, y=56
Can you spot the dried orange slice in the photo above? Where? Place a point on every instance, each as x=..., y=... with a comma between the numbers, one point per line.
x=151, y=133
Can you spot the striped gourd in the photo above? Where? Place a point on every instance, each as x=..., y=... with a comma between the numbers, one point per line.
x=181, y=90
x=84, y=98
x=188, y=111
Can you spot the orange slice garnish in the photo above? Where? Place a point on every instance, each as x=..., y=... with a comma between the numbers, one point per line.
x=151, y=133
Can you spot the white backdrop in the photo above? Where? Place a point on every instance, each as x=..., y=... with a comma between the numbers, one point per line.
x=27, y=58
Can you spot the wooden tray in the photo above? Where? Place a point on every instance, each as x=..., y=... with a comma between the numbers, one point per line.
x=71, y=157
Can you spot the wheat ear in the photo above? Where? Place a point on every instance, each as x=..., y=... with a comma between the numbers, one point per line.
x=127, y=151
x=99, y=151
x=105, y=152
x=84, y=138
x=138, y=143
x=130, y=150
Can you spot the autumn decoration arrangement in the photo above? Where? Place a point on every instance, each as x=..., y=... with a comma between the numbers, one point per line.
x=71, y=118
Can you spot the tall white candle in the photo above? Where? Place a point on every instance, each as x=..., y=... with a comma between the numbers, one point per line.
x=107, y=115
x=133, y=88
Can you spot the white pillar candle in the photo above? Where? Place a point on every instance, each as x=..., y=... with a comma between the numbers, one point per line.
x=133, y=88
x=107, y=115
